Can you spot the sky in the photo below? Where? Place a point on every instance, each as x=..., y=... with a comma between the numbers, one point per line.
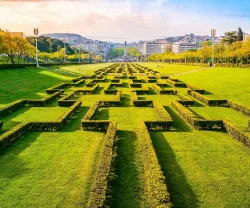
x=120, y=20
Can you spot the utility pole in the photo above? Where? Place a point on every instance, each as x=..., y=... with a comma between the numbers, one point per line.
x=36, y=32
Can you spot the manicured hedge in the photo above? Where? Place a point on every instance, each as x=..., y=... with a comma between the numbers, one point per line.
x=9, y=137
x=95, y=125
x=109, y=91
x=49, y=126
x=12, y=107
x=196, y=89
x=207, y=101
x=155, y=186
x=239, y=107
x=197, y=123
x=161, y=91
x=1, y=124
x=161, y=111
x=176, y=83
x=44, y=101
x=81, y=81
x=67, y=101
x=57, y=88
x=113, y=102
x=237, y=133
x=89, y=115
x=88, y=91
x=141, y=91
x=136, y=85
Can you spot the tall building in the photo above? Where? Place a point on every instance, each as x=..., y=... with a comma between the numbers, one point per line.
x=181, y=47
x=153, y=47
x=97, y=47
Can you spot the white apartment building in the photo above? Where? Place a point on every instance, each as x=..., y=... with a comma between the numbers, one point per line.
x=153, y=47
x=97, y=47
x=246, y=36
x=181, y=47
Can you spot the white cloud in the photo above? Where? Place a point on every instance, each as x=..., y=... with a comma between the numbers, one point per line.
x=111, y=19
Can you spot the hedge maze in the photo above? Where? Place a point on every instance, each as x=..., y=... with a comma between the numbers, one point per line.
x=126, y=86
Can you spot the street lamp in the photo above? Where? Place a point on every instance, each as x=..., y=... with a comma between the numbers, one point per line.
x=79, y=56
x=36, y=32
x=213, y=34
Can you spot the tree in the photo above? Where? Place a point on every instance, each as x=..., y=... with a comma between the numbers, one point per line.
x=230, y=37
x=240, y=35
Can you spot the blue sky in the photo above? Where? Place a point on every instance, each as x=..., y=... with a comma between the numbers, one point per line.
x=130, y=20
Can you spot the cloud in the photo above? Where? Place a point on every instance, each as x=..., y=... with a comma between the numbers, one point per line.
x=110, y=19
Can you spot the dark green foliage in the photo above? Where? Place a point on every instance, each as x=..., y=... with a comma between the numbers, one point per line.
x=57, y=88
x=44, y=101
x=91, y=90
x=196, y=89
x=67, y=100
x=240, y=35
x=161, y=91
x=237, y=133
x=49, y=45
x=155, y=187
x=1, y=124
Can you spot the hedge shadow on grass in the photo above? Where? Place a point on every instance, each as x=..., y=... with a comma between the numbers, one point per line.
x=13, y=166
x=99, y=90
x=74, y=123
x=125, y=100
x=181, y=193
x=124, y=187
x=151, y=91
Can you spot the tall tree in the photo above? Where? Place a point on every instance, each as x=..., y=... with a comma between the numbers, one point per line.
x=240, y=35
x=230, y=37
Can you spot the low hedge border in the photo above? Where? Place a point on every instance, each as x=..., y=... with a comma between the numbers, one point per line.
x=67, y=100
x=196, y=89
x=239, y=107
x=44, y=101
x=111, y=103
x=161, y=111
x=237, y=133
x=57, y=88
x=109, y=91
x=88, y=91
x=207, y=101
x=161, y=91
x=140, y=103
x=142, y=91
x=156, y=189
x=176, y=83
x=193, y=120
x=12, y=107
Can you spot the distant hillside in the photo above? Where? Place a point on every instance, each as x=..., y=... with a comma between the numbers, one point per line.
x=70, y=38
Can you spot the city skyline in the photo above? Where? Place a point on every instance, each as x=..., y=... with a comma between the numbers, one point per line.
x=118, y=21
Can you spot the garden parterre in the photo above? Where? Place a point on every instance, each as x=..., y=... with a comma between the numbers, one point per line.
x=125, y=126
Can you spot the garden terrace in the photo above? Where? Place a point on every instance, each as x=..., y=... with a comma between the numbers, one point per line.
x=133, y=143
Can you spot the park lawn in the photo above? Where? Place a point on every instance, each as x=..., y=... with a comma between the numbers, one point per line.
x=27, y=83
x=222, y=113
x=224, y=83
x=84, y=69
x=50, y=169
x=32, y=114
x=171, y=69
x=203, y=168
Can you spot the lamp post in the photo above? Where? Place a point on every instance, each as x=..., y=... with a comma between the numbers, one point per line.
x=213, y=34
x=36, y=32
x=64, y=52
x=79, y=55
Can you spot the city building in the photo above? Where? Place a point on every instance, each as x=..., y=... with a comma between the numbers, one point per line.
x=153, y=47
x=181, y=47
x=97, y=47
x=245, y=36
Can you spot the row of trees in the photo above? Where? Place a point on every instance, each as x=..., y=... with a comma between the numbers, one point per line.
x=236, y=53
x=119, y=51
x=17, y=49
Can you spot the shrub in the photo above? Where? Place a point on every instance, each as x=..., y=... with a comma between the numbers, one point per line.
x=99, y=192
x=65, y=102
x=44, y=101
x=14, y=134
x=57, y=88
x=237, y=133
x=89, y=115
x=155, y=187
x=161, y=112
x=207, y=101
x=88, y=91
x=239, y=107
x=12, y=107
x=159, y=90
x=196, y=89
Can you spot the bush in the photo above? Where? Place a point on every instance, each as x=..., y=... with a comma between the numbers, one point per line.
x=161, y=112
x=44, y=101
x=159, y=90
x=207, y=101
x=57, y=88
x=14, y=134
x=237, y=133
x=196, y=89
x=239, y=107
x=99, y=192
x=12, y=107
x=88, y=91
x=156, y=190
x=65, y=102
x=89, y=115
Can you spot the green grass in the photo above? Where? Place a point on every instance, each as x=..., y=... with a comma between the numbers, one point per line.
x=202, y=168
x=171, y=69
x=222, y=113
x=26, y=83
x=57, y=169
x=85, y=69
x=223, y=83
